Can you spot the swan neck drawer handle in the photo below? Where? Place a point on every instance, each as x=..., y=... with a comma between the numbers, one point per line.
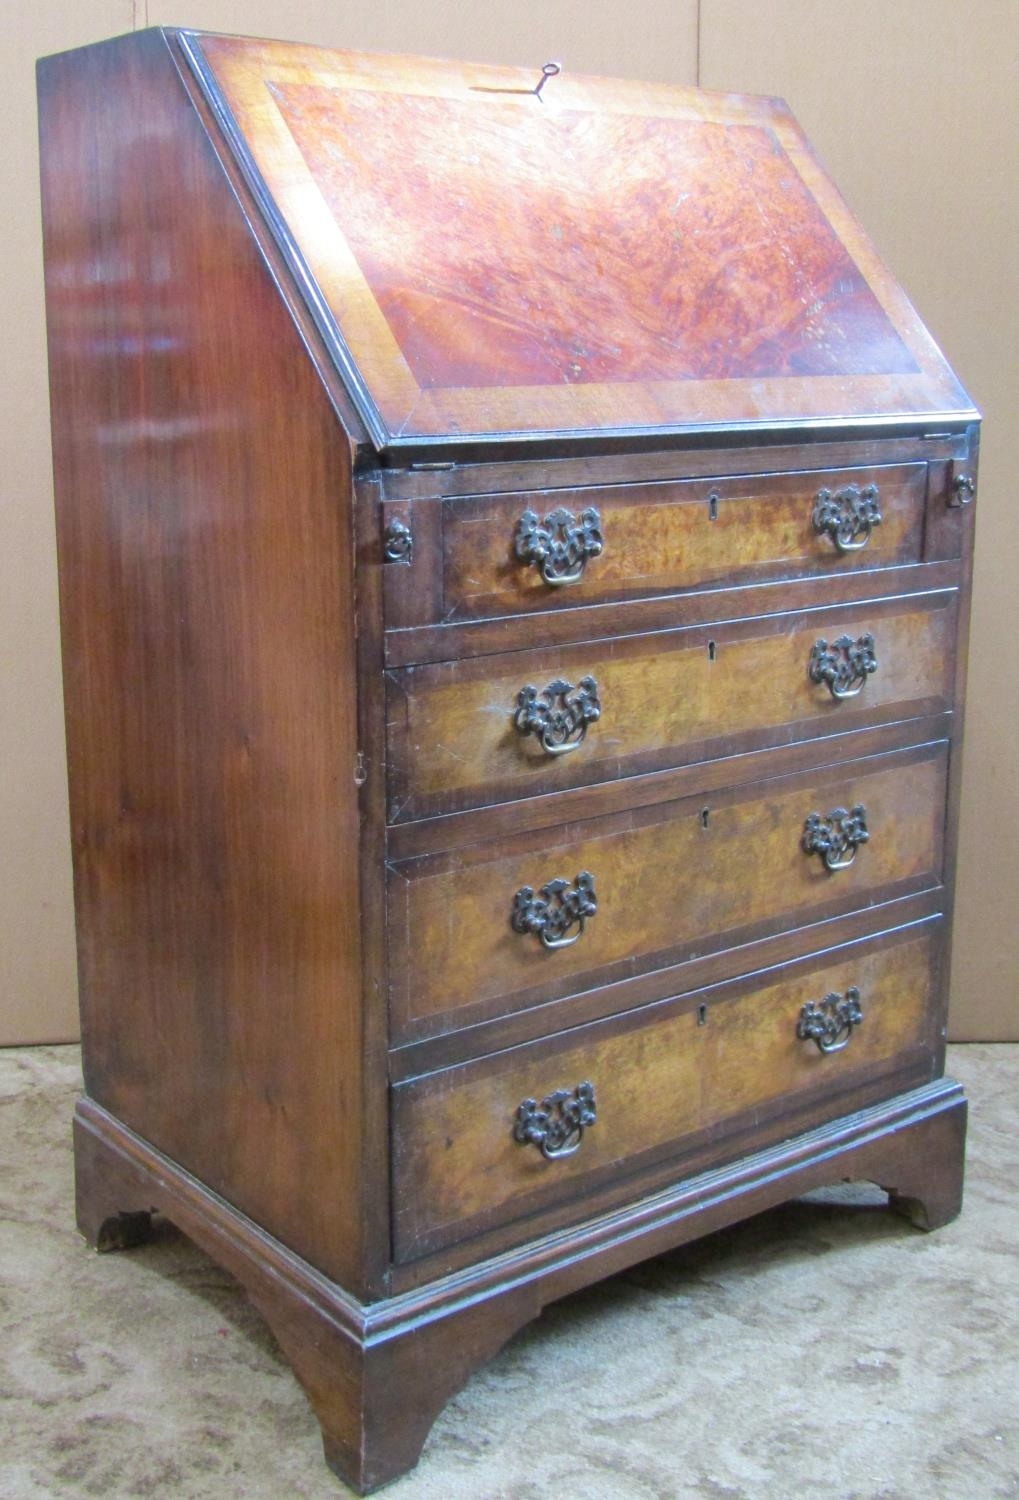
x=830, y=1022
x=847, y=516
x=556, y=1125
x=837, y=837
x=559, y=715
x=558, y=913
x=560, y=545
x=844, y=666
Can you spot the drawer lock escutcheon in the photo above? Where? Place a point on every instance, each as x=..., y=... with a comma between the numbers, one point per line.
x=556, y=1125
x=560, y=545
x=555, y=911
x=837, y=837
x=844, y=666
x=559, y=715
x=829, y=1022
x=848, y=515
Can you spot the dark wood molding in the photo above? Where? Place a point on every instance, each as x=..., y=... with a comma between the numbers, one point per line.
x=387, y=1368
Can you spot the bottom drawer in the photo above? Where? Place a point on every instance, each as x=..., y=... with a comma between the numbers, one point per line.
x=484, y=1142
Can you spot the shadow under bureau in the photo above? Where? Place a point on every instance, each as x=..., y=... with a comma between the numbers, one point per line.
x=514, y=559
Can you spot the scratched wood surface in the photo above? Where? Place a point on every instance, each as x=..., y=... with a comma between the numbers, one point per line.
x=609, y=255
x=658, y=1077
x=665, y=699
x=667, y=879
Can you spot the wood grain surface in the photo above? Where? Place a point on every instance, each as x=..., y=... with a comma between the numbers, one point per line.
x=666, y=537
x=659, y=1076
x=206, y=574
x=666, y=699
x=674, y=878
x=610, y=256
x=306, y=1030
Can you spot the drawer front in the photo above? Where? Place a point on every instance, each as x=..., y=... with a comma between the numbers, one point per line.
x=474, y=1147
x=552, y=549
x=467, y=938
x=465, y=734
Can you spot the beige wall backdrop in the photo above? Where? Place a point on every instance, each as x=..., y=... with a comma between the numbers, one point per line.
x=911, y=103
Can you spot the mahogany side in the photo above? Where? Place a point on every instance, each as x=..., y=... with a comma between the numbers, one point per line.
x=203, y=488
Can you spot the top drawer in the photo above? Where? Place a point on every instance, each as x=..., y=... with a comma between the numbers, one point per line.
x=505, y=554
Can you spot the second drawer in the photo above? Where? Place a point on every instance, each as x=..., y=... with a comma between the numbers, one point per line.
x=468, y=733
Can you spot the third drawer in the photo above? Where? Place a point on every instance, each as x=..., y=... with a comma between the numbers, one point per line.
x=503, y=925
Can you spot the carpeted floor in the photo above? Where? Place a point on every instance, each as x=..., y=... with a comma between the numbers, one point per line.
x=825, y=1349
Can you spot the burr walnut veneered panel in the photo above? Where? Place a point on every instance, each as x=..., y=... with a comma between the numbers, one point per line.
x=540, y=177
x=519, y=724
x=609, y=255
x=654, y=538
x=668, y=1079
x=651, y=886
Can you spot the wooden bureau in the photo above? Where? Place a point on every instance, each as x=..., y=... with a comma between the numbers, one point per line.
x=514, y=547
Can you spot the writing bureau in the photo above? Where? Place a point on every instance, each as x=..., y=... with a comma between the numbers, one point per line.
x=514, y=558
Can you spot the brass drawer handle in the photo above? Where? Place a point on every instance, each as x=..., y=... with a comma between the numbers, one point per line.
x=830, y=1022
x=556, y=1125
x=555, y=910
x=560, y=545
x=559, y=720
x=845, y=665
x=848, y=515
x=837, y=837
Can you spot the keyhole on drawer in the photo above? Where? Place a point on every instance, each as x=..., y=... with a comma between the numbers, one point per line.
x=713, y=506
x=702, y=1015
x=705, y=815
x=711, y=651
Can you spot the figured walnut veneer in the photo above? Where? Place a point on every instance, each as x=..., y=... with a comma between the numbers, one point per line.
x=507, y=282
x=612, y=256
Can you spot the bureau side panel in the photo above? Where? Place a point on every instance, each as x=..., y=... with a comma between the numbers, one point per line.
x=207, y=600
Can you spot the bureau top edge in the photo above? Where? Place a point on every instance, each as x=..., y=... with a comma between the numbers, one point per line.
x=725, y=453
x=938, y=435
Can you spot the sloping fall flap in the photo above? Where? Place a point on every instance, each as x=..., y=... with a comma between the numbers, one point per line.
x=604, y=257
